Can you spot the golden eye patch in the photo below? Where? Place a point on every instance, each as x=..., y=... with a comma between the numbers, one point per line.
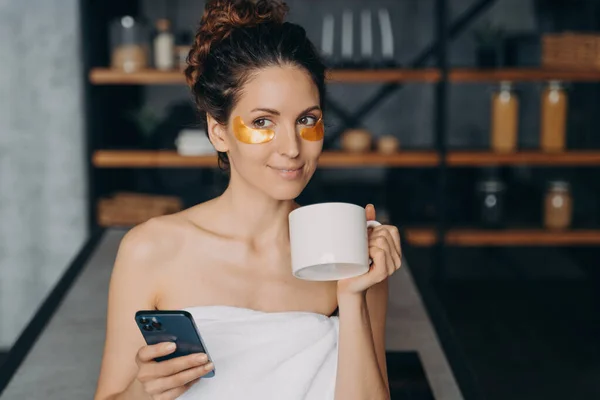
x=313, y=133
x=248, y=135
x=251, y=135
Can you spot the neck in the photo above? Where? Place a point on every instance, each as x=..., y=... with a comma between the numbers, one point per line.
x=256, y=216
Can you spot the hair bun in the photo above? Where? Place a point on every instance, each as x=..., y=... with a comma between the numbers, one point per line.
x=220, y=18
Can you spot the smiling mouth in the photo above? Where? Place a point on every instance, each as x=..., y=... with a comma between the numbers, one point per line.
x=287, y=169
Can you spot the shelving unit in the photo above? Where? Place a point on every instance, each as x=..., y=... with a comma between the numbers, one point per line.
x=441, y=157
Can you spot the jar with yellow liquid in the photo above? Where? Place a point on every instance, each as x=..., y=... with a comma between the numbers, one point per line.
x=554, y=118
x=558, y=206
x=505, y=119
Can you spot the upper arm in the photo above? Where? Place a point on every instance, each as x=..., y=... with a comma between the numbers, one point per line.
x=131, y=289
x=377, y=302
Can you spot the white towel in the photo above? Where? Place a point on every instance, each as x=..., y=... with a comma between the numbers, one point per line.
x=262, y=356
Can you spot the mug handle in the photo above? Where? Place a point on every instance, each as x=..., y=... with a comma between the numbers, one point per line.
x=372, y=224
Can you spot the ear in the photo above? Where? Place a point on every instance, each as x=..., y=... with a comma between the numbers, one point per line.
x=217, y=133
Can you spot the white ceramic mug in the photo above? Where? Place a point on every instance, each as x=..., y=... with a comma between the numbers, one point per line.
x=329, y=241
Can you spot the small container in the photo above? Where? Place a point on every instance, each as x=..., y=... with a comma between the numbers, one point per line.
x=388, y=144
x=505, y=119
x=129, y=44
x=554, y=118
x=491, y=202
x=164, y=46
x=558, y=206
x=356, y=141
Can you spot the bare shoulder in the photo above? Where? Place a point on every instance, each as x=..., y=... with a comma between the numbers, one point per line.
x=153, y=242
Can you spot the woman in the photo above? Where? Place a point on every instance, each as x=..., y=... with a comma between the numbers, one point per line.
x=259, y=84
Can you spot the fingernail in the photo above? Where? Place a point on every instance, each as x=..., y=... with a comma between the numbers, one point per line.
x=208, y=366
x=202, y=358
x=170, y=346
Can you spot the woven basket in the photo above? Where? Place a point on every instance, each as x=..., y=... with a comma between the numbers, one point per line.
x=571, y=51
x=129, y=209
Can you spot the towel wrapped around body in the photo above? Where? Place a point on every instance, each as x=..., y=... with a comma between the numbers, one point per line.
x=261, y=356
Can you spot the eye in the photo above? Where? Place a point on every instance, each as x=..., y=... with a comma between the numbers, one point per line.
x=308, y=120
x=262, y=123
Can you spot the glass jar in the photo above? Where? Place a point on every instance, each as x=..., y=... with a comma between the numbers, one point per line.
x=505, y=119
x=491, y=202
x=129, y=44
x=554, y=118
x=558, y=206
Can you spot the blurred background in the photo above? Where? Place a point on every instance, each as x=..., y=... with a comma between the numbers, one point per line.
x=468, y=123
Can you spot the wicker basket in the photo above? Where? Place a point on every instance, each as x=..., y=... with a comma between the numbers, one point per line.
x=128, y=209
x=571, y=51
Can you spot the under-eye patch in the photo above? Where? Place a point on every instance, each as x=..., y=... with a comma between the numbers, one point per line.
x=248, y=135
x=313, y=133
x=251, y=135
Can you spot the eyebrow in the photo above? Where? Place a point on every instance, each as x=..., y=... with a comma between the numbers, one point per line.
x=275, y=112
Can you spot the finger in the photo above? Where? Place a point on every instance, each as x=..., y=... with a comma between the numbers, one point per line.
x=172, y=394
x=388, y=232
x=149, y=353
x=370, y=212
x=383, y=239
x=180, y=379
x=396, y=237
x=178, y=364
x=378, y=268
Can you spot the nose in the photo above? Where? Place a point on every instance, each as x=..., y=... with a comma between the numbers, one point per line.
x=288, y=142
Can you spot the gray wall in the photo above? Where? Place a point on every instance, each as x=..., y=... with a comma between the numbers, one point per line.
x=42, y=174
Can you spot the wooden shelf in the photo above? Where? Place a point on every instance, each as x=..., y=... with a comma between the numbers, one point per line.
x=333, y=159
x=486, y=158
x=107, y=76
x=422, y=237
x=384, y=75
x=165, y=159
x=521, y=75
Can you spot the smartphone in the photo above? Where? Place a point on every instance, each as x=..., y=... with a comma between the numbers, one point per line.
x=175, y=326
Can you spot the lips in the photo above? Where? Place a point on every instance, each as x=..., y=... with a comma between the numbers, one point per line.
x=288, y=169
x=289, y=173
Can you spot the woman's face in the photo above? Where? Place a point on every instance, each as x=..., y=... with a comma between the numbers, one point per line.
x=274, y=134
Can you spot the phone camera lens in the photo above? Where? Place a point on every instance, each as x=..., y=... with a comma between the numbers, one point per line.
x=156, y=324
x=147, y=328
x=143, y=320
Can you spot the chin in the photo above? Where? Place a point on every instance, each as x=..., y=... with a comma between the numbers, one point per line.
x=287, y=191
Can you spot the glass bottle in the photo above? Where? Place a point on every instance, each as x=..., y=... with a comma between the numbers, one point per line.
x=129, y=48
x=554, y=118
x=491, y=202
x=164, y=46
x=505, y=119
x=558, y=206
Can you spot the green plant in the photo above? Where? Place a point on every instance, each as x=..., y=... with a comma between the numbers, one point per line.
x=145, y=120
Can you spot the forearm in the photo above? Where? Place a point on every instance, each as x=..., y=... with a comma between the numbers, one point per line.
x=358, y=376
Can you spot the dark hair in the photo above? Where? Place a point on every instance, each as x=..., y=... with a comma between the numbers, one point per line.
x=236, y=38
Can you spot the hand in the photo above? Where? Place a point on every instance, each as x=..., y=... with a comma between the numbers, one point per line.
x=384, y=250
x=169, y=379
